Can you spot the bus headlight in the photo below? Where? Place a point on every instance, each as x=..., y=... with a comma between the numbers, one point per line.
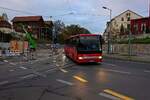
x=100, y=57
x=80, y=58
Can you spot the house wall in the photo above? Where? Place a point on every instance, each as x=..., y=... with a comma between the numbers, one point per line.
x=138, y=23
x=36, y=27
x=117, y=22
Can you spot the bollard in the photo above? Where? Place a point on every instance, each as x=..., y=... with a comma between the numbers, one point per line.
x=0, y=53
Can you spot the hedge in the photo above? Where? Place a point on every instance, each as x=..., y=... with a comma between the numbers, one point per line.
x=137, y=41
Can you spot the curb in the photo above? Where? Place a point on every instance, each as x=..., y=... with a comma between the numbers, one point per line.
x=126, y=58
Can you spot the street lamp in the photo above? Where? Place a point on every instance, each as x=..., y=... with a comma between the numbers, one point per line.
x=109, y=29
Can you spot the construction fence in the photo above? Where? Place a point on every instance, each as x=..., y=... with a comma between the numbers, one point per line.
x=13, y=48
x=136, y=49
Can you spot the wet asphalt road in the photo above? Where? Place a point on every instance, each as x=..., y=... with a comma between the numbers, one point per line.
x=42, y=80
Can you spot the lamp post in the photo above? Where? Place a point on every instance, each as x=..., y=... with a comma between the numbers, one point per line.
x=149, y=8
x=109, y=29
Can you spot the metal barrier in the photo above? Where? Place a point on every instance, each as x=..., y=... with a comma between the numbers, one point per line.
x=8, y=53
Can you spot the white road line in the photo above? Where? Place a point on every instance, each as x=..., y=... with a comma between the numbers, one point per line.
x=64, y=82
x=109, y=96
x=109, y=64
x=117, y=71
x=5, y=61
x=147, y=71
x=27, y=76
x=57, y=65
x=11, y=70
x=54, y=61
x=12, y=63
x=40, y=74
x=51, y=69
x=3, y=82
x=54, y=58
x=23, y=67
x=133, y=62
x=63, y=70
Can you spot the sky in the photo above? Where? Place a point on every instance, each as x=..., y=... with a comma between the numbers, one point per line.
x=86, y=13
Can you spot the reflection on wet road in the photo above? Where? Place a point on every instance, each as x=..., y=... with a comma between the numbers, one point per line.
x=69, y=81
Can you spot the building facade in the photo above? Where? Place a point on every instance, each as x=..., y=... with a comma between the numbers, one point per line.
x=119, y=26
x=140, y=27
x=5, y=30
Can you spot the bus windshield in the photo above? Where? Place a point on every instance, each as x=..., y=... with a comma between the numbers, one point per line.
x=89, y=43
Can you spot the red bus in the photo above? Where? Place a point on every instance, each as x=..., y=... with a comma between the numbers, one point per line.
x=84, y=48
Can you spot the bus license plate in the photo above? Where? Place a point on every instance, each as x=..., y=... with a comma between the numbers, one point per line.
x=91, y=61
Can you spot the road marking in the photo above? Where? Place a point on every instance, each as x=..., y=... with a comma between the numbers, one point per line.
x=117, y=71
x=57, y=65
x=11, y=70
x=122, y=97
x=147, y=71
x=27, y=76
x=40, y=74
x=23, y=67
x=51, y=70
x=109, y=96
x=80, y=79
x=12, y=63
x=64, y=82
x=109, y=64
x=54, y=61
x=54, y=58
x=3, y=82
x=5, y=61
x=63, y=70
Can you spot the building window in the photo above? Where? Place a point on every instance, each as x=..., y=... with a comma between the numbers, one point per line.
x=128, y=14
x=135, y=27
x=116, y=25
x=121, y=29
x=122, y=19
x=115, y=22
x=128, y=27
x=128, y=19
x=143, y=28
x=147, y=29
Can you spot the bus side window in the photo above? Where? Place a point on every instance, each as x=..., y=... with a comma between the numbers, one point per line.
x=74, y=41
x=77, y=41
x=70, y=42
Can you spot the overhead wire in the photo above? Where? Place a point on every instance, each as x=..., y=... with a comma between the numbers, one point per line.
x=19, y=11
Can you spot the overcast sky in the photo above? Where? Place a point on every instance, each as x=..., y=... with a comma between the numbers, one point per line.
x=87, y=13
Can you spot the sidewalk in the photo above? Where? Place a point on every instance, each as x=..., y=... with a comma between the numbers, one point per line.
x=139, y=58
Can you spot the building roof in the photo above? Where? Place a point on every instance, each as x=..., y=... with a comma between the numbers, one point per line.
x=27, y=18
x=1, y=18
x=125, y=12
x=144, y=18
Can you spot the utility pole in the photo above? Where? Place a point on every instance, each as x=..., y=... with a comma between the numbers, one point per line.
x=129, y=42
x=109, y=25
x=149, y=8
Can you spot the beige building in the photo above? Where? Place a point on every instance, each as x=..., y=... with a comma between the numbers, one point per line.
x=120, y=25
